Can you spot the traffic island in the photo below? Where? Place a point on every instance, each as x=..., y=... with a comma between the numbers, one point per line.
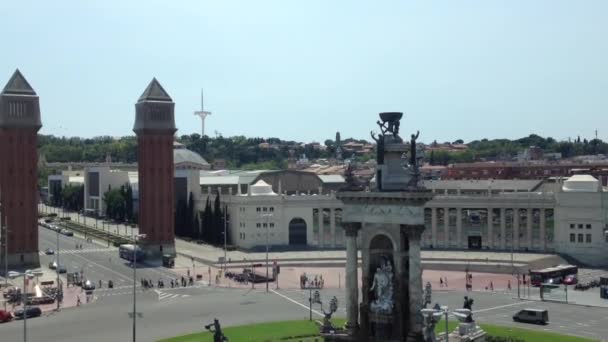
x=309, y=331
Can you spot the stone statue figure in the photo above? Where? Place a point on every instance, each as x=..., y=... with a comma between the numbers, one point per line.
x=468, y=304
x=431, y=318
x=382, y=286
x=413, y=161
x=216, y=329
x=379, y=147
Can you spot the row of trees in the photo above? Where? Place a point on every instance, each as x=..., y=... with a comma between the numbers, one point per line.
x=238, y=151
x=70, y=197
x=207, y=225
x=119, y=203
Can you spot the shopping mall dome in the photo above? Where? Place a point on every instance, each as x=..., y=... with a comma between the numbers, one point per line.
x=184, y=159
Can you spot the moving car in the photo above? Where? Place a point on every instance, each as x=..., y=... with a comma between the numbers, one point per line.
x=537, y=316
x=61, y=269
x=31, y=311
x=88, y=285
x=49, y=251
x=53, y=265
x=5, y=316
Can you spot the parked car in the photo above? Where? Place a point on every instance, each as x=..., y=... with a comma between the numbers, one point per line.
x=40, y=300
x=5, y=316
x=67, y=232
x=537, y=316
x=49, y=251
x=571, y=279
x=31, y=311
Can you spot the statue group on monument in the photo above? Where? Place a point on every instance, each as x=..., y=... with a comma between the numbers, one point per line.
x=382, y=287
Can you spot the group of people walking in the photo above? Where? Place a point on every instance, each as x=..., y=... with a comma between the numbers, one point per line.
x=177, y=282
x=309, y=282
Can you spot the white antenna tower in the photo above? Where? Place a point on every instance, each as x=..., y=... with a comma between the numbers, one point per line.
x=202, y=114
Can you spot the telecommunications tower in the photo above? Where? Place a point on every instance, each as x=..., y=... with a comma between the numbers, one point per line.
x=202, y=114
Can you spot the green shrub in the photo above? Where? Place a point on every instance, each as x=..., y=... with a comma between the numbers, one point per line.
x=502, y=339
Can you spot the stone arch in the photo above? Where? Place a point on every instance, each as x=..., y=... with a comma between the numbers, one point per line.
x=297, y=231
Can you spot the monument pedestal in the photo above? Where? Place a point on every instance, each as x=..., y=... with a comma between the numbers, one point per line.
x=386, y=224
x=467, y=332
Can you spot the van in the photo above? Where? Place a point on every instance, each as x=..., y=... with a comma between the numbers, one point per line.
x=537, y=316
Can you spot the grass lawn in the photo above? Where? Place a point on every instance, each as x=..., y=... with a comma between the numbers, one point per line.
x=291, y=330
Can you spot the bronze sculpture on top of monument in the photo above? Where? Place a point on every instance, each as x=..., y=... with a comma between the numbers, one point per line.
x=388, y=221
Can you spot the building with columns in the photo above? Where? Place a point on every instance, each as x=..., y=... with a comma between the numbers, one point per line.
x=505, y=215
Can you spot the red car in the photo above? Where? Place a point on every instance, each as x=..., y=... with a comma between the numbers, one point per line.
x=5, y=316
x=570, y=279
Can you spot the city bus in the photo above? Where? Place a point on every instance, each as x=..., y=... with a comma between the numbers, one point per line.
x=552, y=274
x=126, y=252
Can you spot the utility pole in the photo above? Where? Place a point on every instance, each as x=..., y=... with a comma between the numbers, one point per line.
x=59, y=287
x=225, y=237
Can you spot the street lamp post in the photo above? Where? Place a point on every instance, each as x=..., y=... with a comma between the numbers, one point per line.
x=27, y=274
x=267, y=216
x=135, y=239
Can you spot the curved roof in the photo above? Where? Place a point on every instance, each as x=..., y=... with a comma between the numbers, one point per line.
x=261, y=188
x=185, y=157
x=581, y=183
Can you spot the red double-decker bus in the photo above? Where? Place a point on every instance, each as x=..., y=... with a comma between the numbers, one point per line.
x=553, y=275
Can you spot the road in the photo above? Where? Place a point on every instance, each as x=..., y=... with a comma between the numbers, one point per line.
x=169, y=312
x=96, y=261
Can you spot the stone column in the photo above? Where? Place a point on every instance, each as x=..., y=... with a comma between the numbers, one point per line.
x=458, y=227
x=332, y=227
x=320, y=219
x=503, y=227
x=415, y=283
x=542, y=237
x=351, y=230
x=529, y=218
x=515, y=230
x=490, y=228
x=434, y=227
x=446, y=227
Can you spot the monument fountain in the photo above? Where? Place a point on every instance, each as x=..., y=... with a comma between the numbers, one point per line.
x=386, y=224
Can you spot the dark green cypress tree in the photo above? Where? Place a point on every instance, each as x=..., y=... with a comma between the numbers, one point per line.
x=218, y=229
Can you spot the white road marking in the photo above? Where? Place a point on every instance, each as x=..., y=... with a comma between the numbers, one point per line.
x=105, y=268
x=501, y=306
x=165, y=295
x=296, y=302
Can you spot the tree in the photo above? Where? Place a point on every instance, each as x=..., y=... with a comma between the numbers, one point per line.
x=217, y=221
x=207, y=222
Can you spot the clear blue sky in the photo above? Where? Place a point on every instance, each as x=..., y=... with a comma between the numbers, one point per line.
x=304, y=69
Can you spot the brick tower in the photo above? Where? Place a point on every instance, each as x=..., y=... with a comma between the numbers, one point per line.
x=19, y=125
x=155, y=126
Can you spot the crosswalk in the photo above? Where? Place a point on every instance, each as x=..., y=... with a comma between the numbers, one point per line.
x=167, y=295
x=80, y=251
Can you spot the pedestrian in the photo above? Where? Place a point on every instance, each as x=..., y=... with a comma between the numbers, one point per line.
x=99, y=283
x=188, y=272
x=509, y=285
x=440, y=282
x=172, y=283
x=491, y=286
x=77, y=300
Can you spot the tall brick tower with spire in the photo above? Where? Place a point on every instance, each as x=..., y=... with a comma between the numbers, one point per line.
x=19, y=125
x=155, y=126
